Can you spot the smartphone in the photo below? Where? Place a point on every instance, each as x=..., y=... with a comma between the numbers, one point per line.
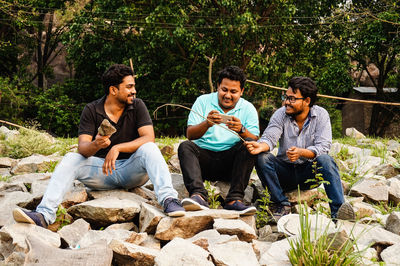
x=226, y=118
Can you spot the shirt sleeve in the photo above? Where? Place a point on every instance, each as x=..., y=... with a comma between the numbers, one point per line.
x=274, y=130
x=252, y=122
x=87, y=124
x=142, y=114
x=323, y=135
x=197, y=108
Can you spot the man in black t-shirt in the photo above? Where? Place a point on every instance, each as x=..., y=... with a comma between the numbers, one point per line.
x=126, y=159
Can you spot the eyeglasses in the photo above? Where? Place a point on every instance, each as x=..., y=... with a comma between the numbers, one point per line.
x=291, y=99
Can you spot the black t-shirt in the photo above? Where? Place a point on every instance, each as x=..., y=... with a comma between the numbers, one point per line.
x=134, y=116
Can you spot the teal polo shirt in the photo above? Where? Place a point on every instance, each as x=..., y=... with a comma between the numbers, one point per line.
x=217, y=138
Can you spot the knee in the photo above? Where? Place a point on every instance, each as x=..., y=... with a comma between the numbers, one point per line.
x=148, y=149
x=265, y=158
x=325, y=160
x=184, y=147
x=73, y=156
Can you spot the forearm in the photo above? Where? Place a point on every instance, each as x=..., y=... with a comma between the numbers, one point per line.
x=132, y=146
x=197, y=131
x=306, y=153
x=88, y=149
x=248, y=134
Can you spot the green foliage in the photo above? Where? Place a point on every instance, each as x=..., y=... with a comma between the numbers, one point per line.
x=31, y=141
x=343, y=154
x=316, y=248
x=264, y=214
x=212, y=197
x=387, y=208
x=61, y=217
x=49, y=166
x=5, y=178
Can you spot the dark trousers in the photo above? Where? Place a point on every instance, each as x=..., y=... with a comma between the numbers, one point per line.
x=279, y=177
x=233, y=165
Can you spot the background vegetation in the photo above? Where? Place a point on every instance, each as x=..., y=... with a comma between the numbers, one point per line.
x=168, y=41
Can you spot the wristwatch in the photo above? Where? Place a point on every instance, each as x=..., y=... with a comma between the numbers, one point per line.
x=242, y=130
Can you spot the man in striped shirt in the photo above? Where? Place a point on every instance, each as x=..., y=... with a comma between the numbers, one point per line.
x=305, y=136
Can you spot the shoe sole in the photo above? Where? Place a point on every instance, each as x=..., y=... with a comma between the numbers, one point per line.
x=191, y=205
x=248, y=211
x=346, y=212
x=176, y=214
x=21, y=217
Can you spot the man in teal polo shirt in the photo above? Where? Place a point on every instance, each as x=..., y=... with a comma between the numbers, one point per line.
x=215, y=153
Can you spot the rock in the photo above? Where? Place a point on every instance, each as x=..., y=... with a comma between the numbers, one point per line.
x=131, y=254
x=393, y=146
x=179, y=186
x=8, y=134
x=124, y=226
x=305, y=196
x=235, y=227
x=248, y=195
x=260, y=247
x=149, y=218
x=290, y=224
x=386, y=170
x=264, y=233
x=391, y=255
x=105, y=211
x=11, y=187
x=75, y=196
x=41, y=253
x=6, y=162
x=338, y=240
x=366, y=235
x=250, y=220
x=94, y=236
x=116, y=193
x=179, y=252
x=187, y=226
x=13, y=238
x=167, y=150
x=370, y=189
x=175, y=164
x=363, y=209
x=71, y=234
x=34, y=163
x=151, y=242
x=5, y=172
x=394, y=190
x=277, y=253
x=146, y=194
x=354, y=133
x=393, y=223
x=209, y=237
x=9, y=201
x=106, y=129
x=233, y=253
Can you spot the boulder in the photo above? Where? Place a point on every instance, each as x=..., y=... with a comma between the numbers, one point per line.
x=363, y=209
x=393, y=223
x=34, y=163
x=9, y=201
x=233, y=253
x=308, y=196
x=354, y=133
x=6, y=162
x=94, y=236
x=394, y=190
x=260, y=247
x=182, y=252
x=391, y=255
x=393, y=146
x=373, y=190
x=121, y=194
x=277, y=253
x=125, y=226
x=71, y=234
x=149, y=218
x=387, y=170
x=209, y=237
x=235, y=227
x=130, y=254
x=105, y=211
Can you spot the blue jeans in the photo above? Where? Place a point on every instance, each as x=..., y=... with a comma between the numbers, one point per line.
x=146, y=163
x=280, y=176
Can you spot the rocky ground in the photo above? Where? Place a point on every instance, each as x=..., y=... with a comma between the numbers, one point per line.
x=121, y=227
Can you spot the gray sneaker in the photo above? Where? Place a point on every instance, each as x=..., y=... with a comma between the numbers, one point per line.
x=346, y=212
x=194, y=203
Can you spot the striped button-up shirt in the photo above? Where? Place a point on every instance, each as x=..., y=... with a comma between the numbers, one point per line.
x=316, y=134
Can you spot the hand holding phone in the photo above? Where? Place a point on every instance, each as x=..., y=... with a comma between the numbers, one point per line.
x=226, y=118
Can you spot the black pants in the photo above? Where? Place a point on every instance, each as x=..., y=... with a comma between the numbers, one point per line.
x=233, y=165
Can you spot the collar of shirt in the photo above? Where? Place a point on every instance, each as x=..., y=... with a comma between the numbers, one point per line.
x=99, y=107
x=214, y=102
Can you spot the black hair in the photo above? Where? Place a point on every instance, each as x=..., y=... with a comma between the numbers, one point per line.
x=232, y=73
x=306, y=86
x=114, y=75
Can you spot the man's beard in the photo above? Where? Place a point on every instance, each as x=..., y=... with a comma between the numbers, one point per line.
x=293, y=115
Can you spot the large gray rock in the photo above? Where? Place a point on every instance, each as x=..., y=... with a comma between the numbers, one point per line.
x=387, y=170
x=187, y=226
x=180, y=252
x=179, y=186
x=393, y=223
x=116, y=193
x=41, y=253
x=149, y=218
x=75, y=196
x=391, y=255
x=210, y=237
x=235, y=227
x=394, y=190
x=371, y=189
x=354, y=133
x=13, y=238
x=105, y=211
x=72, y=233
x=260, y=247
x=393, y=146
x=308, y=196
x=277, y=253
x=9, y=201
x=130, y=254
x=125, y=226
x=7, y=133
x=363, y=209
x=233, y=253
x=34, y=163
x=319, y=224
